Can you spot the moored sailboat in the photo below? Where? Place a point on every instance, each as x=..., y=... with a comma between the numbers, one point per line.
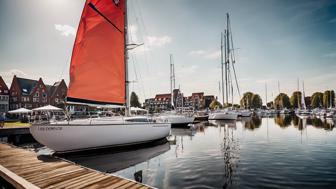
x=98, y=75
x=177, y=119
x=227, y=113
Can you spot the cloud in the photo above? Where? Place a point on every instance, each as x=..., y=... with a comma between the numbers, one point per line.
x=149, y=42
x=207, y=54
x=8, y=75
x=154, y=41
x=332, y=20
x=329, y=55
x=65, y=30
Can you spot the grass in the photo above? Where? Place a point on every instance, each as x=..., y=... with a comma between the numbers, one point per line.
x=16, y=124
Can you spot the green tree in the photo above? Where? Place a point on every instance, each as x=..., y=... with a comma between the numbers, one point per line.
x=328, y=99
x=316, y=100
x=282, y=101
x=256, y=101
x=295, y=99
x=246, y=101
x=135, y=100
x=215, y=104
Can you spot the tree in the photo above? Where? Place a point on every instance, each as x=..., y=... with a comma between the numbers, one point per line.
x=251, y=100
x=135, y=100
x=328, y=99
x=316, y=100
x=282, y=101
x=246, y=100
x=256, y=101
x=215, y=104
x=295, y=99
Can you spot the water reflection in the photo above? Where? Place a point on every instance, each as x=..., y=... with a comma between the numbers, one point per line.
x=252, y=123
x=301, y=124
x=222, y=154
x=283, y=120
x=111, y=160
x=229, y=147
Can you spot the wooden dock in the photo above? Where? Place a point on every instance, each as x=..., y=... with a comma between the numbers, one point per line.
x=25, y=169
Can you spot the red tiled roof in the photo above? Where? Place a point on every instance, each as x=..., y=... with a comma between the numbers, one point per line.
x=162, y=96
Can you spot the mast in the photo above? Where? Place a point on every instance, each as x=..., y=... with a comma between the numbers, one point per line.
x=266, y=94
x=227, y=55
x=171, y=80
x=127, y=107
x=298, y=89
x=222, y=66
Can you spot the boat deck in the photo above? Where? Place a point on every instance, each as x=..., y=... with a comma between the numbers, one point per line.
x=25, y=169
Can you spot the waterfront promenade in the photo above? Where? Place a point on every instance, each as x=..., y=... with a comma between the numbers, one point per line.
x=25, y=169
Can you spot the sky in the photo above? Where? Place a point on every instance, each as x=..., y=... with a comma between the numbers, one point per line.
x=275, y=41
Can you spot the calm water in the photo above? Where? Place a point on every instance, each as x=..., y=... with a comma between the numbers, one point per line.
x=281, y=152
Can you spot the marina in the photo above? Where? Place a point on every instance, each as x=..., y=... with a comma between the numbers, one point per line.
x=284, y=151
x=167, y=94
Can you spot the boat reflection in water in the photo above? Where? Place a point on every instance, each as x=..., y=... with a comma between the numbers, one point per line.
x=112, y=160
x=229, y=147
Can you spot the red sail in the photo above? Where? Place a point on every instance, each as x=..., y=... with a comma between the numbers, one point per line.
x=97, y=71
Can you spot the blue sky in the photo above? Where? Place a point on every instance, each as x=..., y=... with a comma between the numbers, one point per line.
x=275, y=40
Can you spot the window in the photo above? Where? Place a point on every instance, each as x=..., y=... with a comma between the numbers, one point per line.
x=37, y=94
x=44, y=95
x=36, y=99
x=6, y=91
x=14, y=99
x=56, y=100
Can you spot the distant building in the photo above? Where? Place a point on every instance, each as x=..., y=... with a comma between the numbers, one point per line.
x=162, y=102
x=207, y=100
x=28, y=93
x=4, y=96
x=197, y=100
x=57, y=93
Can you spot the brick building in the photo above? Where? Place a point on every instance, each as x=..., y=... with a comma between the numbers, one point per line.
x=162, y=102
x=57, y=93
x=4, y=96
x=28, y=93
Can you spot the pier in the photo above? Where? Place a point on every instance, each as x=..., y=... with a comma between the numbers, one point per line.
x=25, y=169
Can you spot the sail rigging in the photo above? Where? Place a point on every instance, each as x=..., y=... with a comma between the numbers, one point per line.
x=98, y=66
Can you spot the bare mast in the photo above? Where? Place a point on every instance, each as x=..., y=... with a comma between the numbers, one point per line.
x=127, y=107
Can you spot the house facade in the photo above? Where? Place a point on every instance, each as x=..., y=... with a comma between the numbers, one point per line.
x=57, y=93
x=162, y=102
x=30, y=94
x=4, y=96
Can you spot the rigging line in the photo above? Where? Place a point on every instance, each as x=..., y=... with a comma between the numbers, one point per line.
x=145, y=32
x=134, y=56
x=101, y=14
x=235, y=75
x=145, y=53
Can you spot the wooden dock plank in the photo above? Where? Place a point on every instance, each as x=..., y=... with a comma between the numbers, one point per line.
x=19, y=166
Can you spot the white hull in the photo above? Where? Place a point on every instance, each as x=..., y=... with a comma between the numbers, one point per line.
x=78, y=137
x=176, y=119
x=229, y=115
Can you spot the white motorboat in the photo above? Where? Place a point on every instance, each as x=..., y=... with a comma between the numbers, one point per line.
x=176, y=120
x=98, y=75
x=244, y=113
x=223, y=115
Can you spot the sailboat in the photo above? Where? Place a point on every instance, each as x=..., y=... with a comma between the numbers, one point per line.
x=175, y=118
x=98, y=75
x=303, y=112
x=225, y=113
